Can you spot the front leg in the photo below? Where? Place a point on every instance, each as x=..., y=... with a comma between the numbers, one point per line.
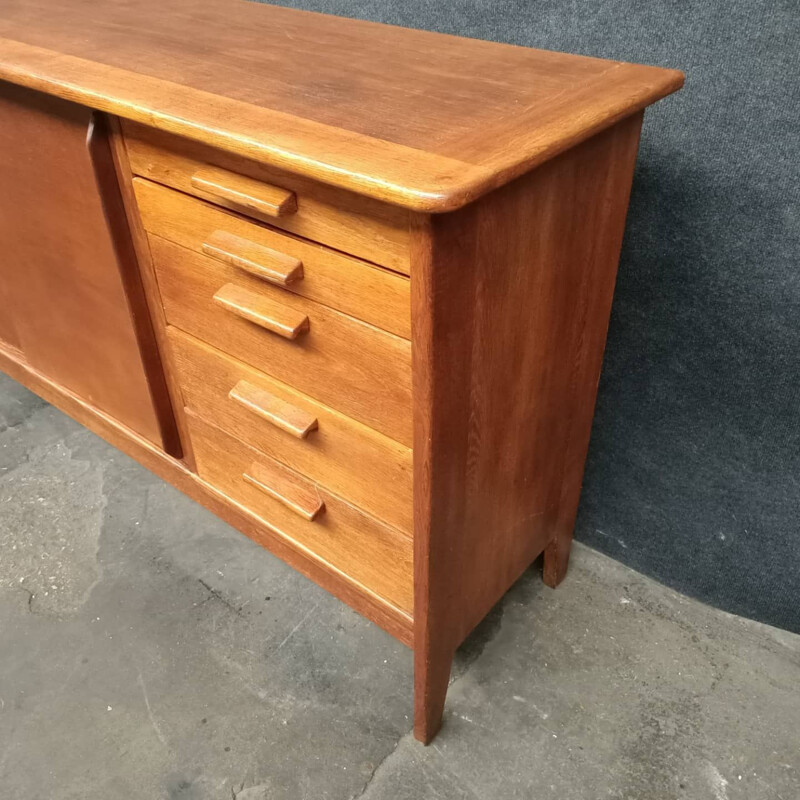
x=431, y=677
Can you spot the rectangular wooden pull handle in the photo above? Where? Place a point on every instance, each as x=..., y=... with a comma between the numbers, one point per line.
x=281, y=414
x=245, y=193
x=270, y=265
x=273, y=317
x=303, y=499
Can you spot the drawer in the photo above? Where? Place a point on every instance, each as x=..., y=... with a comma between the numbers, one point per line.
x=352, y=460
x=353, y=224
x=349, y=365
x=359, y=289
x=366, y=550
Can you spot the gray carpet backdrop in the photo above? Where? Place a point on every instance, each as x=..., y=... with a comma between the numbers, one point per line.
x=693, y=474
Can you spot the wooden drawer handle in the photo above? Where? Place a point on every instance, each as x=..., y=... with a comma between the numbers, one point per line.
x=302, y=499
x=272, y=316
x=270, y=265
x=281, y=414
x=246, y=193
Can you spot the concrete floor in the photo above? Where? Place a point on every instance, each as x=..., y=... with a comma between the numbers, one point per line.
x=149, y=651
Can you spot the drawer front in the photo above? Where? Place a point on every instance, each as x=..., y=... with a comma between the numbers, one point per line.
x=363, y=227
x=346, y=364
x=359, y=289
x=350, y=459
x=370, y=553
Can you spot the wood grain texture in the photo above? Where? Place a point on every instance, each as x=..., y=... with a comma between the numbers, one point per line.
x=375, y=608
x=288, y=488
x=152, y=296
x=349, y=222
x=269, y=265
x=244, y=194
x=270, y=407
x=363, y=466
x=510, y=300
x=423, y=120
x=283, y=155
x=346, y=364
x=367, y=551
x=261, y=311
x=61, y=270
x=359, y=289
x=102, y=154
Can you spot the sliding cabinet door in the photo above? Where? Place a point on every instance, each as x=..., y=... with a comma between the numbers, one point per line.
x=68, y=295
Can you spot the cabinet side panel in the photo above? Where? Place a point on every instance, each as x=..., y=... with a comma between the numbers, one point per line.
x=59, y=266
x=511, y=299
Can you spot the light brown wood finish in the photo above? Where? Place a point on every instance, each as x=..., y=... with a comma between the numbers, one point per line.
x=289, y=488
x=147, y=275
x=8, y=331
x=282, y=415
x=302, y=148
x=346, y=364
x=367, y=551
x=102, y=154
x=244, y=194
x=269, y=265
x=261, y=311
x=349, y=222
x=422, y=120
x=357, y=463
x=511, y=298
x=347, y=284
x=61, y=270
x=396, y=622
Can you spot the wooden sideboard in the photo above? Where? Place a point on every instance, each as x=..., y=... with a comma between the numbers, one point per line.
x=347, y=285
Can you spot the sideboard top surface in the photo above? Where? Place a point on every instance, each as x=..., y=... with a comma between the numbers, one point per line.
x=422, y=120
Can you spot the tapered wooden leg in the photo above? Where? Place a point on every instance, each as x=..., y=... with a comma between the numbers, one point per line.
x=431, y=677
x=556, y=554
x=556, y=559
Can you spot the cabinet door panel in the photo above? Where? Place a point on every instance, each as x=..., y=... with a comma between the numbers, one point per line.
x=64, y=300
x=8, y=332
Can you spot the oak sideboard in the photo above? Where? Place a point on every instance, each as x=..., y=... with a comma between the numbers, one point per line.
x=345, y=284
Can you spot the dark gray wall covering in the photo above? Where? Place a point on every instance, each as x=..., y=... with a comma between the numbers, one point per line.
x=694, y=469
